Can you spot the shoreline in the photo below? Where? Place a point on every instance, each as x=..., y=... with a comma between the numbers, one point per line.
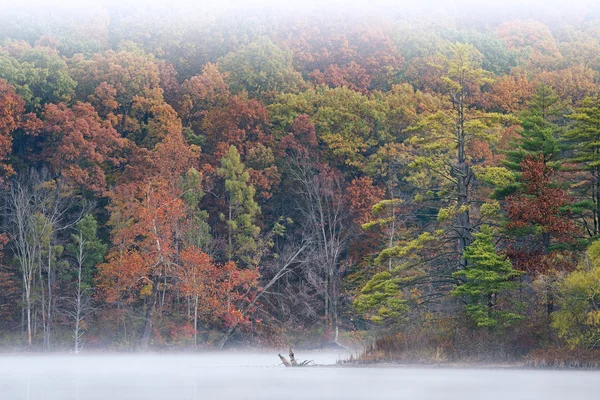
x=461, y=366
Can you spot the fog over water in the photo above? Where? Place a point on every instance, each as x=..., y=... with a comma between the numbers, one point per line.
x=259, y=376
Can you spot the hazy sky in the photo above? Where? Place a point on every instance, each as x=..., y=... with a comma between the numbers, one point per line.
x=226, y=4
x=554, y=9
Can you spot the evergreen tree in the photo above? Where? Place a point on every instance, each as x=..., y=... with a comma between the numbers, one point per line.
x=538, y=137
x=382, y=299
x=545, y=103
x=443, y=167
x=539, y=134
x=242, y=210
x=485, y=277
x=582, y=145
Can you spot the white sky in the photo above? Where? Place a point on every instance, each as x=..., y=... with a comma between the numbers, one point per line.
x=529, y=8
x=253, y=4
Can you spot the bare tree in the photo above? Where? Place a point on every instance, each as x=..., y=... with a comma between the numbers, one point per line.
x=80, y=305
x=56, y=208
x=327, y=220
x=37, y=209
x=23, y=234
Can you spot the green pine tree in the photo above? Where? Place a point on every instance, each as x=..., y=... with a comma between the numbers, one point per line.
x=242, y=210
x=545, y=103
x=382, y=300
x=582, y=149
x=486, y=276
x=539, y=136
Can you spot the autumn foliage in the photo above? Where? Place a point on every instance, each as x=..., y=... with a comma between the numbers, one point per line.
x=537, y=215
x=201, y=180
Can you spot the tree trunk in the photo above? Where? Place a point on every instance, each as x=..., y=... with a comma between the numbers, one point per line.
x=76, y=333
x=76, y=336
x=293, y=358
x=230, y=233
x=28, y=302
x=462, y=173
x=334, y=313
x=145, y=340
x=393, y=232
x=597, y=201
x=327, y=293
x=44, y=315
x=49, y=305
x=284, y=361
x=22, y=316
x=196, y=322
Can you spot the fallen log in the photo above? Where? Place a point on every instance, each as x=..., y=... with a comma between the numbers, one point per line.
x=292, y=361
x=284, y=361
x=292, y=358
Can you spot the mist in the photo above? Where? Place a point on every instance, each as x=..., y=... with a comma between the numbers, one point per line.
x=328, y=199
x=256, y=376
x=165, y=10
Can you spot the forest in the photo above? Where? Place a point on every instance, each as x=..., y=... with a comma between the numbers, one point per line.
x=425, y=182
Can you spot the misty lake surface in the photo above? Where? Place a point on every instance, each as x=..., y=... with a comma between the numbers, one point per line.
x=232, y=376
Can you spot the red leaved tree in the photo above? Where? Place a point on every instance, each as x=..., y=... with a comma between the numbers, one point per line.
x=538, y=221
x=12, y=118
x=146, y=216
x=80, y=145
x=219, y=293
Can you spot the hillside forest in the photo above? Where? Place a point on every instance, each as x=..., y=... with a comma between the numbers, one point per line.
x=428, y=183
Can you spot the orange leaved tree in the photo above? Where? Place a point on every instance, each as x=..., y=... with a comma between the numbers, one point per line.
x=219, y=293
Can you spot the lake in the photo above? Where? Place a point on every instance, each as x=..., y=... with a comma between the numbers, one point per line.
x=232, y=375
